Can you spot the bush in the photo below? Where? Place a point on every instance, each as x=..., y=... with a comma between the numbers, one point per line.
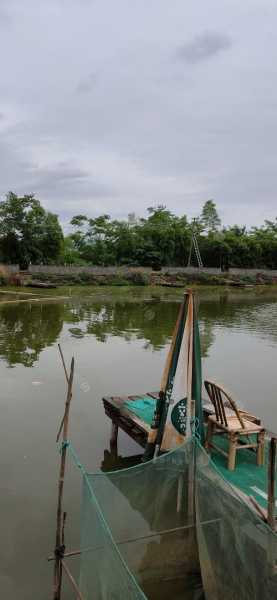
x=86, y=277
x=41, y=276
x=118, y=281
x=140, y=278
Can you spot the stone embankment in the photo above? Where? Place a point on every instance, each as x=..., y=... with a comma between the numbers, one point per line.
x=116, y=276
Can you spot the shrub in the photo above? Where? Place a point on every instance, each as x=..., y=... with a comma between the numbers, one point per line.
x=118, y=281
x=140, y=278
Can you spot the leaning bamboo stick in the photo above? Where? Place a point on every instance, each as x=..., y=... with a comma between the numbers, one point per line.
x=72, y=580
x=63, y=361
x=152, y=447
x=67, y=379
x=39, y=299
x=59, y=530
x=271, y=482
x=259, y=509
x=171, y=349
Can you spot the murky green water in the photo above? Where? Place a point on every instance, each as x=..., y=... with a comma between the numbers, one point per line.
x=119, y=339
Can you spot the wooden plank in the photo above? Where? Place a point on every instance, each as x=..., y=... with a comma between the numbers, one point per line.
x=118, y=404
x=125, y=419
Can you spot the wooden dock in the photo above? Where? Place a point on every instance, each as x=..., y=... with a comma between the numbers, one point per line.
x=125, y=419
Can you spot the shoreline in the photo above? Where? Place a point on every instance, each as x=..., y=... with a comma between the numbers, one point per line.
x=142, y=278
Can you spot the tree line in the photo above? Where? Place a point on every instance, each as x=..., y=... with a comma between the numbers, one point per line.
x=30, y=234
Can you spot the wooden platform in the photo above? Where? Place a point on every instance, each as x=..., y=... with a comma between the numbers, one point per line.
x=125, y=419
x=247, y=479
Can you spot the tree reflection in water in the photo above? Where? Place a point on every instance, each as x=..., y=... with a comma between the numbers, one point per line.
x=26, y=329
x=151, y=321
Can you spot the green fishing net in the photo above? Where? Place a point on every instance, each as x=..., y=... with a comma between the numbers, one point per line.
x=237, y=550
x=145, y=528
x=138, y=536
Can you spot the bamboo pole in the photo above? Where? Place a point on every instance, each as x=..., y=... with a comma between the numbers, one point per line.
x=67, y=379
x=138, y=538
x=63, y=361
x=62, y=550
x=38, y=299
x=259, y=509
x=72, y=580
x=271, y=482
x=60, y=519
x=172, y=347
x=151, y=446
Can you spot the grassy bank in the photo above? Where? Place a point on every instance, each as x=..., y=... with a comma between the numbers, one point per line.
x=137, y=277
x=143, y=278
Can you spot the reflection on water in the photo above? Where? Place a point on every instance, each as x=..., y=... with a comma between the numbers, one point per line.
x=247, y=312
x=119, y=339
x=26, y=329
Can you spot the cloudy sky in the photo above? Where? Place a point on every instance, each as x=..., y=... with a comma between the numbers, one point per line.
x=116, y=105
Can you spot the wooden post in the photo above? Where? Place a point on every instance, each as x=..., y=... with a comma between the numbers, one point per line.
x=271, y=482
x=59, y=548
x=113, y=438
x=232, y=451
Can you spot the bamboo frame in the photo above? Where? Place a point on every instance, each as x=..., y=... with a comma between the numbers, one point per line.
x=138, y=538
x=59, y=542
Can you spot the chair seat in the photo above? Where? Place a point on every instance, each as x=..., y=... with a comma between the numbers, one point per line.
x=235, y=425
x=238, y=424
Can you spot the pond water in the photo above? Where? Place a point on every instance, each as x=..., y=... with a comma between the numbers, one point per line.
x=119, y=338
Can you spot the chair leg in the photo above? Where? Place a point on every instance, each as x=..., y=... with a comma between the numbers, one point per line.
x=232, y=451
x=260, y=448
x=209, y=435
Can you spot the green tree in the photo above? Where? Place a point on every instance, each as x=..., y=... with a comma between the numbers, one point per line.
x=70, y=255
x=28, y=233
x=209, y=217
x=163, y=238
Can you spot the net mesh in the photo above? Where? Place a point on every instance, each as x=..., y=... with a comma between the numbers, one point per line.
x=140, y=539
x=237, y=550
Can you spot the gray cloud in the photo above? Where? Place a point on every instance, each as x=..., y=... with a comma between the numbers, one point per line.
x=5, y=14
x=60, y=173
x=87, y=84
x=153, y=132
x=204, y=46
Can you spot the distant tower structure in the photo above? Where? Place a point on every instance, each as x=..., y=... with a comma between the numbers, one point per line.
x=194, y=246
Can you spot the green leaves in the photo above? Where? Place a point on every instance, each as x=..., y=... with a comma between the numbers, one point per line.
x=28, y=233
x=209, y=217
x=164, y=239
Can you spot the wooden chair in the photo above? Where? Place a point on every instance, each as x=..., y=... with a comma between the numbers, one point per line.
x=234, y=423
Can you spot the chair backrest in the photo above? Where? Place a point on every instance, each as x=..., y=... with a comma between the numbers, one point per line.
x=217, y=394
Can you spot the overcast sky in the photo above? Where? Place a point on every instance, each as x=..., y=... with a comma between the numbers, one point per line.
x=114, y=106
